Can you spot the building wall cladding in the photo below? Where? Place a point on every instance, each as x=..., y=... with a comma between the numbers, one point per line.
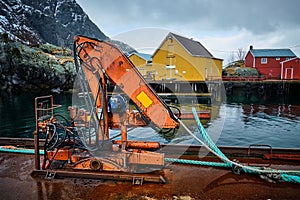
x=173, y=61
x=268, y=65
x=291, y=69
x=139, y=63
x=249, y=60
x=137, y=60
x=271, y=69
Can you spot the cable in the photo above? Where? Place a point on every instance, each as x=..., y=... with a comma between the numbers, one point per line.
x=89, y=65
x=226, y=160
x=176, y=108
x=66, y=120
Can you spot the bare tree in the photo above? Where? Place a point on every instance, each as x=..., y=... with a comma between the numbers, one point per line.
x=231, y=57
x=241, y=54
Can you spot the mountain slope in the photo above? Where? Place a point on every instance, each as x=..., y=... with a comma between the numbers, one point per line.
x=35, y=69
x=29, y=29
x=47, y=21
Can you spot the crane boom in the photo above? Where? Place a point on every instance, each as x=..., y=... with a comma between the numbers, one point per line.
x=103, y=60
x=85, y=142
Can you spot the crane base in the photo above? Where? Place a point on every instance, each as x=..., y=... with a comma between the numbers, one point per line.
x=136, y=179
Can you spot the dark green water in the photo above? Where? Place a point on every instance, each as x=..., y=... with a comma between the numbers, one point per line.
x=17, y=117
x=242, y=120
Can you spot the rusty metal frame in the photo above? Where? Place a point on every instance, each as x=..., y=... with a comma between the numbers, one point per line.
x=36, y=132
x=120, y=176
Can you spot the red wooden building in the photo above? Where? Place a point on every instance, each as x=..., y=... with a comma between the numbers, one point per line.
x=290, y=69
x=268, y=61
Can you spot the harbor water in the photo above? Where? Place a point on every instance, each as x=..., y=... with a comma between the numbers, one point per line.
x=239, y=121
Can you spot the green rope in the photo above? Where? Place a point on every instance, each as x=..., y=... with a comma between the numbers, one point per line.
x=19, y=150
x=290, y=178
x=286, y=175
x=207, y=139
x=196, y=162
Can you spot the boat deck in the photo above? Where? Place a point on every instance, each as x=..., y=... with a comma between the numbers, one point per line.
x=183, y=182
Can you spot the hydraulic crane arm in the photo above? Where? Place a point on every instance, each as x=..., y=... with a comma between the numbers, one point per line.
x=102, y=60
x=85, y=143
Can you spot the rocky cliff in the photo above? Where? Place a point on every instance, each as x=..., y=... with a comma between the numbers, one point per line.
x=48, y=21
x=44, y=67
x=35, y=37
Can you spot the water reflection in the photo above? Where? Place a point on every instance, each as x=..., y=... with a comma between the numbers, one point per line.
x=286, y=111
x=17, y=113
x=241, y=121
x=270, y=119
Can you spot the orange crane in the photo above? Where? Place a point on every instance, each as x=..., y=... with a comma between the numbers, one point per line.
x=85, y=143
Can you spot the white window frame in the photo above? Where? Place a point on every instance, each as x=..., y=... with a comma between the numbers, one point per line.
x=264, y=60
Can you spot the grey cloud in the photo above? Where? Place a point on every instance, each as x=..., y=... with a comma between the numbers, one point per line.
x=257, y=16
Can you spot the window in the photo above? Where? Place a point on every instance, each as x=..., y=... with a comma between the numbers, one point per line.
x=263, y=61
x=277, y=58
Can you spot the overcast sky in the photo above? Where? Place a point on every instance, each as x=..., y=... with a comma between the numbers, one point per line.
x=222, y=26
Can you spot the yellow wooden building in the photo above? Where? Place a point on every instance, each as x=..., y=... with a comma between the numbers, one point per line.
x=182, y=59
x=143, y=62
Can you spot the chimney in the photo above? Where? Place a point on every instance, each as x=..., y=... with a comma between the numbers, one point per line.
x=251, y=47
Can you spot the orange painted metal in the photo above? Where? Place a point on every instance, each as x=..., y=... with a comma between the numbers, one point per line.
x=105, y=58
x=102, y=62
x=124, y=133
x=119, y=161
x=61, y=154
x=201, y=115
x=142, y=157
x=138, y=144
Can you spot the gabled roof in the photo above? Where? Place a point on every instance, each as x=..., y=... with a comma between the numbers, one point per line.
x=194, y=48
x=145, y=56
x=272, y=53
x=289, y=60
